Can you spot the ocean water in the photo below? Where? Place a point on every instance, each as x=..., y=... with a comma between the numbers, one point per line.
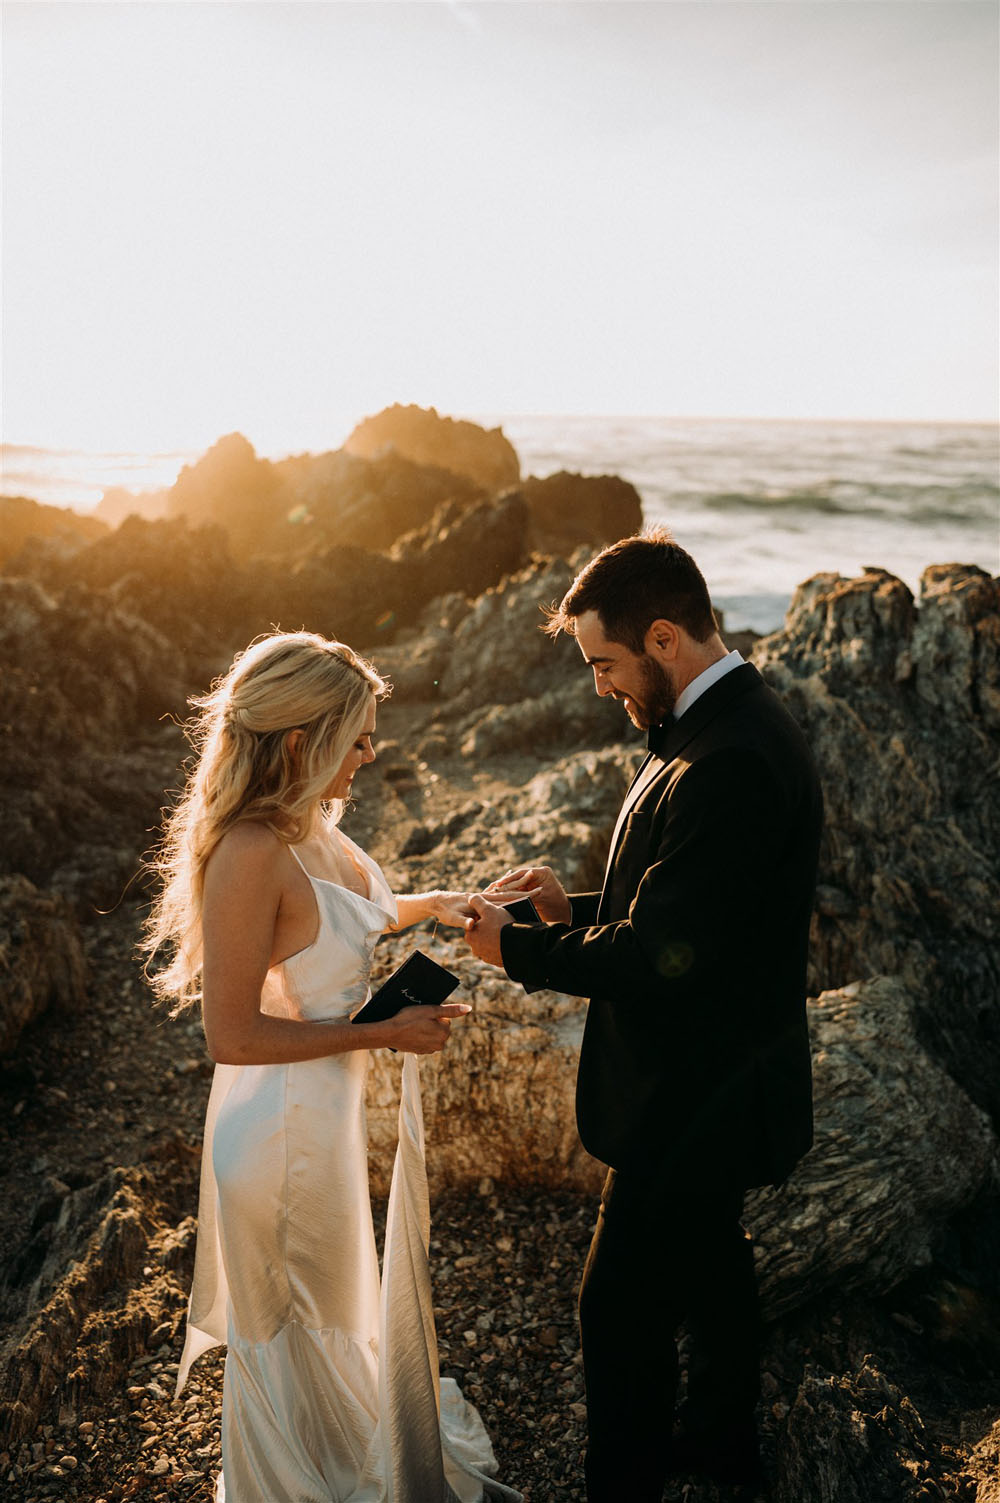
x=79, y=478
x=762, y=505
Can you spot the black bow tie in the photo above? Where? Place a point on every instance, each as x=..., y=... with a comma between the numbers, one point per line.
x=656, y=737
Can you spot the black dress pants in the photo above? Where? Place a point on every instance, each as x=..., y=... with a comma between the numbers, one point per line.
x=659, y=1258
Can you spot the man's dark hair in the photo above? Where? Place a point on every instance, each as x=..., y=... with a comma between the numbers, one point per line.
x=633, y=583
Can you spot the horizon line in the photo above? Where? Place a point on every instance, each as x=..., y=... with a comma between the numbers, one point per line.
x=496, y=417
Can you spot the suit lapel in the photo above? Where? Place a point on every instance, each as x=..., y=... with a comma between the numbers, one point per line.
x=721, y=696
x=650, y=769
x=668, y=744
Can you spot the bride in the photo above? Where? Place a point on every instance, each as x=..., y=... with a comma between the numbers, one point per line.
x=270, y=915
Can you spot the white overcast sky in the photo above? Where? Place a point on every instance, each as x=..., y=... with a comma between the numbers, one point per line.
x=275, y=217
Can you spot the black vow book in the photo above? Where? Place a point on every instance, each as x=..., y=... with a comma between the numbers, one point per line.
x=419, y=982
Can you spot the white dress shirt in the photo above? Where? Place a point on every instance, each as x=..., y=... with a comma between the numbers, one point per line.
x=705, y=680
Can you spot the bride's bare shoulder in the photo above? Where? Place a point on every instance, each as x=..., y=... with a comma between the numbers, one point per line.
x=250, y=849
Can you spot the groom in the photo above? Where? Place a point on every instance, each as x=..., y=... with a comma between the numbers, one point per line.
x=694, y=1081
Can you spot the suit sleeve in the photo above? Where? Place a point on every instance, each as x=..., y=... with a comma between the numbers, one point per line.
x=583, y=906
x=724, y=826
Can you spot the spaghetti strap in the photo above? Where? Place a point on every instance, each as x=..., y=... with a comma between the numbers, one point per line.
x=300, y=861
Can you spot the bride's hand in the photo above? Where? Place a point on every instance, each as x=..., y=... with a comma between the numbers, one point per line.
x=540, y=884
x=423, y=1030
x=451, y=908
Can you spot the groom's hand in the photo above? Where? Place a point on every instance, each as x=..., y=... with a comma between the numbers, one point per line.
x=542, y=885
x=482, y=933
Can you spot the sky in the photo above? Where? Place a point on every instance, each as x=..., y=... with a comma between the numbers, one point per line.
x=278, y=217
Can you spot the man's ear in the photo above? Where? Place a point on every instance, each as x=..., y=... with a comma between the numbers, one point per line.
x=662, y=641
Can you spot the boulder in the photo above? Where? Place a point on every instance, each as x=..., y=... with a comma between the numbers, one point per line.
x=345, y=592
x=568, y=511
x=899, y=1150
x=855, y=632
x=42, y=962
x=499, y=1100
x=292, y=508
x=421, y=435
x=415, y=661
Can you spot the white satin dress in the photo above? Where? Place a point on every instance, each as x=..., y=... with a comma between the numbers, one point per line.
x=331, y=1391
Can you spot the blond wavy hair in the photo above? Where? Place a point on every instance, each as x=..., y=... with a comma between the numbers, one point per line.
x=246, y=770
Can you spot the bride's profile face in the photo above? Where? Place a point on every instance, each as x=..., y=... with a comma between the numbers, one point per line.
x=360, y=753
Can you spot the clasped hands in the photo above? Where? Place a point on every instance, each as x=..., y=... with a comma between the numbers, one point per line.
x=489, y=908
x=484, y=914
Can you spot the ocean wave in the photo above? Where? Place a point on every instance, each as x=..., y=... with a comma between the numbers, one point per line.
x=770, y=501
x=921, y=506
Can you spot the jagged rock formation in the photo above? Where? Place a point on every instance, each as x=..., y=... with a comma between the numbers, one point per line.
x=488, y=649
x=76, y=670
x=852, y=1440
x=181, y=580
x=78, y=1330
x=419, y=434
x=375, y=491
x=339, y=498
x=231, y=487
x=368, y=494
x=900, y=705
x=361, y=596
x=499, y=654
x=502, y=682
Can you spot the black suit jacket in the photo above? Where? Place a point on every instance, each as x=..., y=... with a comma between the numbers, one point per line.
x=695, y=1066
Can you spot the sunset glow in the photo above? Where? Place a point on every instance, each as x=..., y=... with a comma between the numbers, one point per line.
x=276, y=218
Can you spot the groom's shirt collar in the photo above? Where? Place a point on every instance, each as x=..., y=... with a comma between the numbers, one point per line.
x=694, y=690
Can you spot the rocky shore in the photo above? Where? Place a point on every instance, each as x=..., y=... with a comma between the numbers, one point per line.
x=421, y=543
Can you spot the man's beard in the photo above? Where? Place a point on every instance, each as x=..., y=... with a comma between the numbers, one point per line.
x=658, y=695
